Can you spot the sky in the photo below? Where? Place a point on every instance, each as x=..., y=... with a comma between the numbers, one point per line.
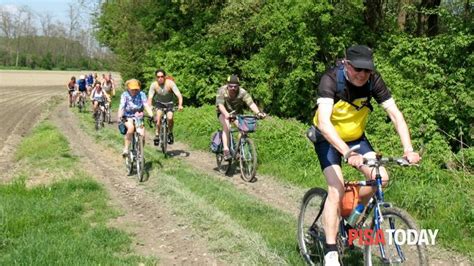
x=57, y=8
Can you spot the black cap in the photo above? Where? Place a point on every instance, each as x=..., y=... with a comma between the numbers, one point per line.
x=233, y=79
x=360, y=56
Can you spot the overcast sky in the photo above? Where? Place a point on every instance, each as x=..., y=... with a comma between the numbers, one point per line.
x=57, y=8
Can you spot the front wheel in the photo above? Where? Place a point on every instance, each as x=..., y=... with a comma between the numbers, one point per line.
x=80, y=104
x=129, y=160
x=108, y=116
x=140, y=158
x=311, y=238
x=164, y=137
x=248, y=160
x=400, y=220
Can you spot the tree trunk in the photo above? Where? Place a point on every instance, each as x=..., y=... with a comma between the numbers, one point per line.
x=433, y=27
x=374, y=13
x=402, y=14
x=428, y=24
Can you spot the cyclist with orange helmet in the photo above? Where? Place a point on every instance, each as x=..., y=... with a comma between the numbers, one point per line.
x=131, y=101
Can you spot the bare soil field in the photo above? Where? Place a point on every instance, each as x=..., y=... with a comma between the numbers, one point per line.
x=23, y=95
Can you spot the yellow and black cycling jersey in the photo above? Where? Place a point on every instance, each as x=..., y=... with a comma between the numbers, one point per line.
x=352, y=107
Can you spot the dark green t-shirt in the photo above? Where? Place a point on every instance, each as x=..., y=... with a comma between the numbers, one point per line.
x=233, y=104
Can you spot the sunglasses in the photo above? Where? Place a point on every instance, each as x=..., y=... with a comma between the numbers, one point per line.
x=356, y=69
x=232, y=86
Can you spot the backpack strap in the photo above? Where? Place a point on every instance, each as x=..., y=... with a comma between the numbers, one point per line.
x=341, y=86
x=340, y=80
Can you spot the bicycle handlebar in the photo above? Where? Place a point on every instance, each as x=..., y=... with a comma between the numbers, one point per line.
x=175, y=108
x=379, y=160
x=233, y=117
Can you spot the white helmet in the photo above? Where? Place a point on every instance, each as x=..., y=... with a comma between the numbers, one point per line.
x=82, y=77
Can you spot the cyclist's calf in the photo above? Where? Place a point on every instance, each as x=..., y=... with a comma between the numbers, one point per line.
x=130, y=127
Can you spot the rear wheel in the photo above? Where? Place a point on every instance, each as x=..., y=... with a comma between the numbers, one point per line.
x=140, y=159
x=248, y=160
x=311, y=238
x=395, y=219
x=223, y=166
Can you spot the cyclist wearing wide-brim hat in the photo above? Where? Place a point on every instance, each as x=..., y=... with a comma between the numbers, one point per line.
x=131, y=101
x=232, y=98
x=343, y=108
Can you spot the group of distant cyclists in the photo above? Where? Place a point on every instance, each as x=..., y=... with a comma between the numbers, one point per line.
x=343, y=107
x=98, y=90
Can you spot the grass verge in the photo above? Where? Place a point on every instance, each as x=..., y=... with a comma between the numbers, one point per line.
x=61, y=222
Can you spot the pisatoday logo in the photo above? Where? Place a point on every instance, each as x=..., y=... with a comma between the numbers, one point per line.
x=392, y=236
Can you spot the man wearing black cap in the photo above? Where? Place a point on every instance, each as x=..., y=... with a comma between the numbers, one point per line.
x=344, y=96
x=232, y=98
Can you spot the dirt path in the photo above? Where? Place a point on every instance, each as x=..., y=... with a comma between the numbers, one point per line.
x=158, y=232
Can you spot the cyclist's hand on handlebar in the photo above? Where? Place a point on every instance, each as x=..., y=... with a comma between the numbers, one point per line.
x=356, y=160
x=261, y=115
x=412, y=157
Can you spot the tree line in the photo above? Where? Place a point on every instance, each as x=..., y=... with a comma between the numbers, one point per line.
x=32, y=40
x=280, y=49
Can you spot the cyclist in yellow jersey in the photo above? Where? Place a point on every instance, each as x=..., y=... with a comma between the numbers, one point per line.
x=340, y=122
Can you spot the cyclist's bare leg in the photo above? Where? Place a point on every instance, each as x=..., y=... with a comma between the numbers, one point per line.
x=96, y=104
x=331, y=211
x=128, y=135
x=70, y=98
x=169, y=116
x=365, y=193
x=226, y=130
x=159, y=113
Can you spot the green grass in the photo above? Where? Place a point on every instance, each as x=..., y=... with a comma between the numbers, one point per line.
x=46, y=147
x=62, y=223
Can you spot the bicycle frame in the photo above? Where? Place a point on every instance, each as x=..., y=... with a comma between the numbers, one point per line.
x=234, y=149
x=376, y=204
x=163, y=136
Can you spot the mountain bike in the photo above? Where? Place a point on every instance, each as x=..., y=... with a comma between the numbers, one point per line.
x=378, y=215
x=136, y=157
x=164, y=130
x=243, y=151
x=100, y=115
